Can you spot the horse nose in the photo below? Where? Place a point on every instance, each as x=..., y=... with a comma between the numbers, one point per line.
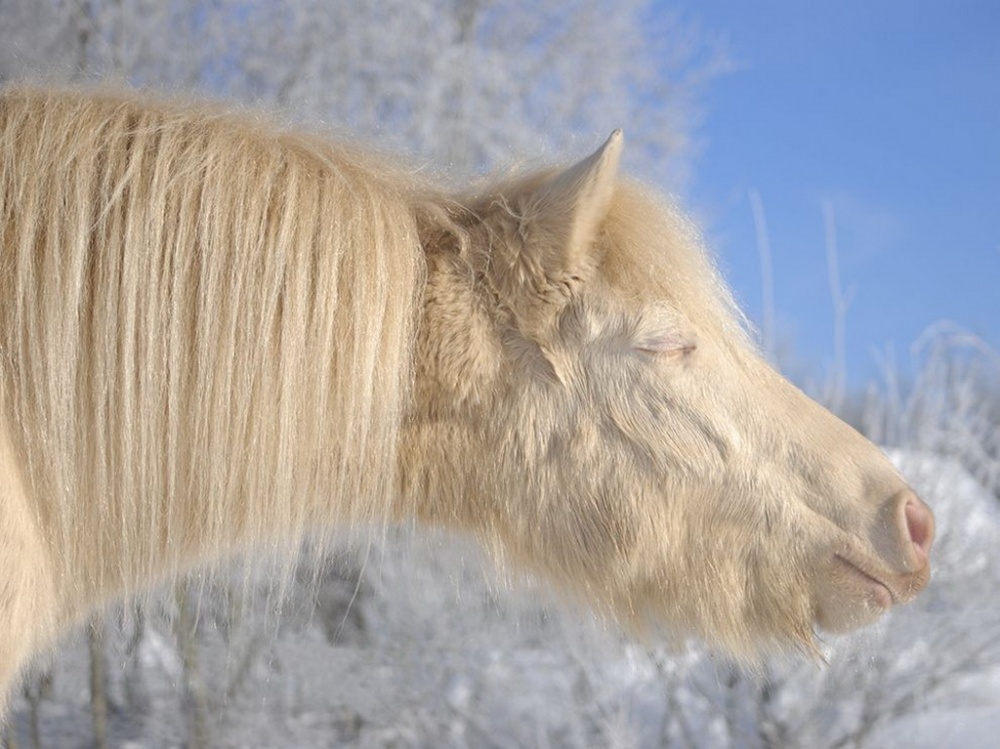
x=919, y=523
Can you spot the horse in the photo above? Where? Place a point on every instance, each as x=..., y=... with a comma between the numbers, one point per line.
x=219, y=333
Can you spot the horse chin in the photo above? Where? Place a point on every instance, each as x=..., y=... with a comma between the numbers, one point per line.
x=851, y=596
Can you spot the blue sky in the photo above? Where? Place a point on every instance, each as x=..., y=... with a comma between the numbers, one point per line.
x=890, y=111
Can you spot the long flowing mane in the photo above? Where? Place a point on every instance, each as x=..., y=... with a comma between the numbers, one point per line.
x=197, y=309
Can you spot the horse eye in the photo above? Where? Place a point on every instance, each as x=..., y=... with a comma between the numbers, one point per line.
x=667, y=347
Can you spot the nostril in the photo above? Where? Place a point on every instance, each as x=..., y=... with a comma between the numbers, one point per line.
x=920, y=526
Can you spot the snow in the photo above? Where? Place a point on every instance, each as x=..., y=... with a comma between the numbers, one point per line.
x=965, y=557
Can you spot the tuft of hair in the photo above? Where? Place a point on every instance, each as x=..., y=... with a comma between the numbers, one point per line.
x=206, y=330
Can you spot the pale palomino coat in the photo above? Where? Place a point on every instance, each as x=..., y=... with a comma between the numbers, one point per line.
x=218, y=335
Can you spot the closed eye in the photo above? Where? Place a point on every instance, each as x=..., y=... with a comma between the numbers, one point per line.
x=666, y=347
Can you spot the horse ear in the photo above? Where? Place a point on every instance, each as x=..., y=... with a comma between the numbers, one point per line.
x=560, y=218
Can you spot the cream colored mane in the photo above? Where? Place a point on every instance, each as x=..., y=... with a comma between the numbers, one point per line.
x=234, y=307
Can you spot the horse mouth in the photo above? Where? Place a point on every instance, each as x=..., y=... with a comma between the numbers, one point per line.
x=879, y=592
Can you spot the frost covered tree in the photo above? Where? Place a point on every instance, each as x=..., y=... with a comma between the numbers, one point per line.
x=138, y=40
x=470, y=84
